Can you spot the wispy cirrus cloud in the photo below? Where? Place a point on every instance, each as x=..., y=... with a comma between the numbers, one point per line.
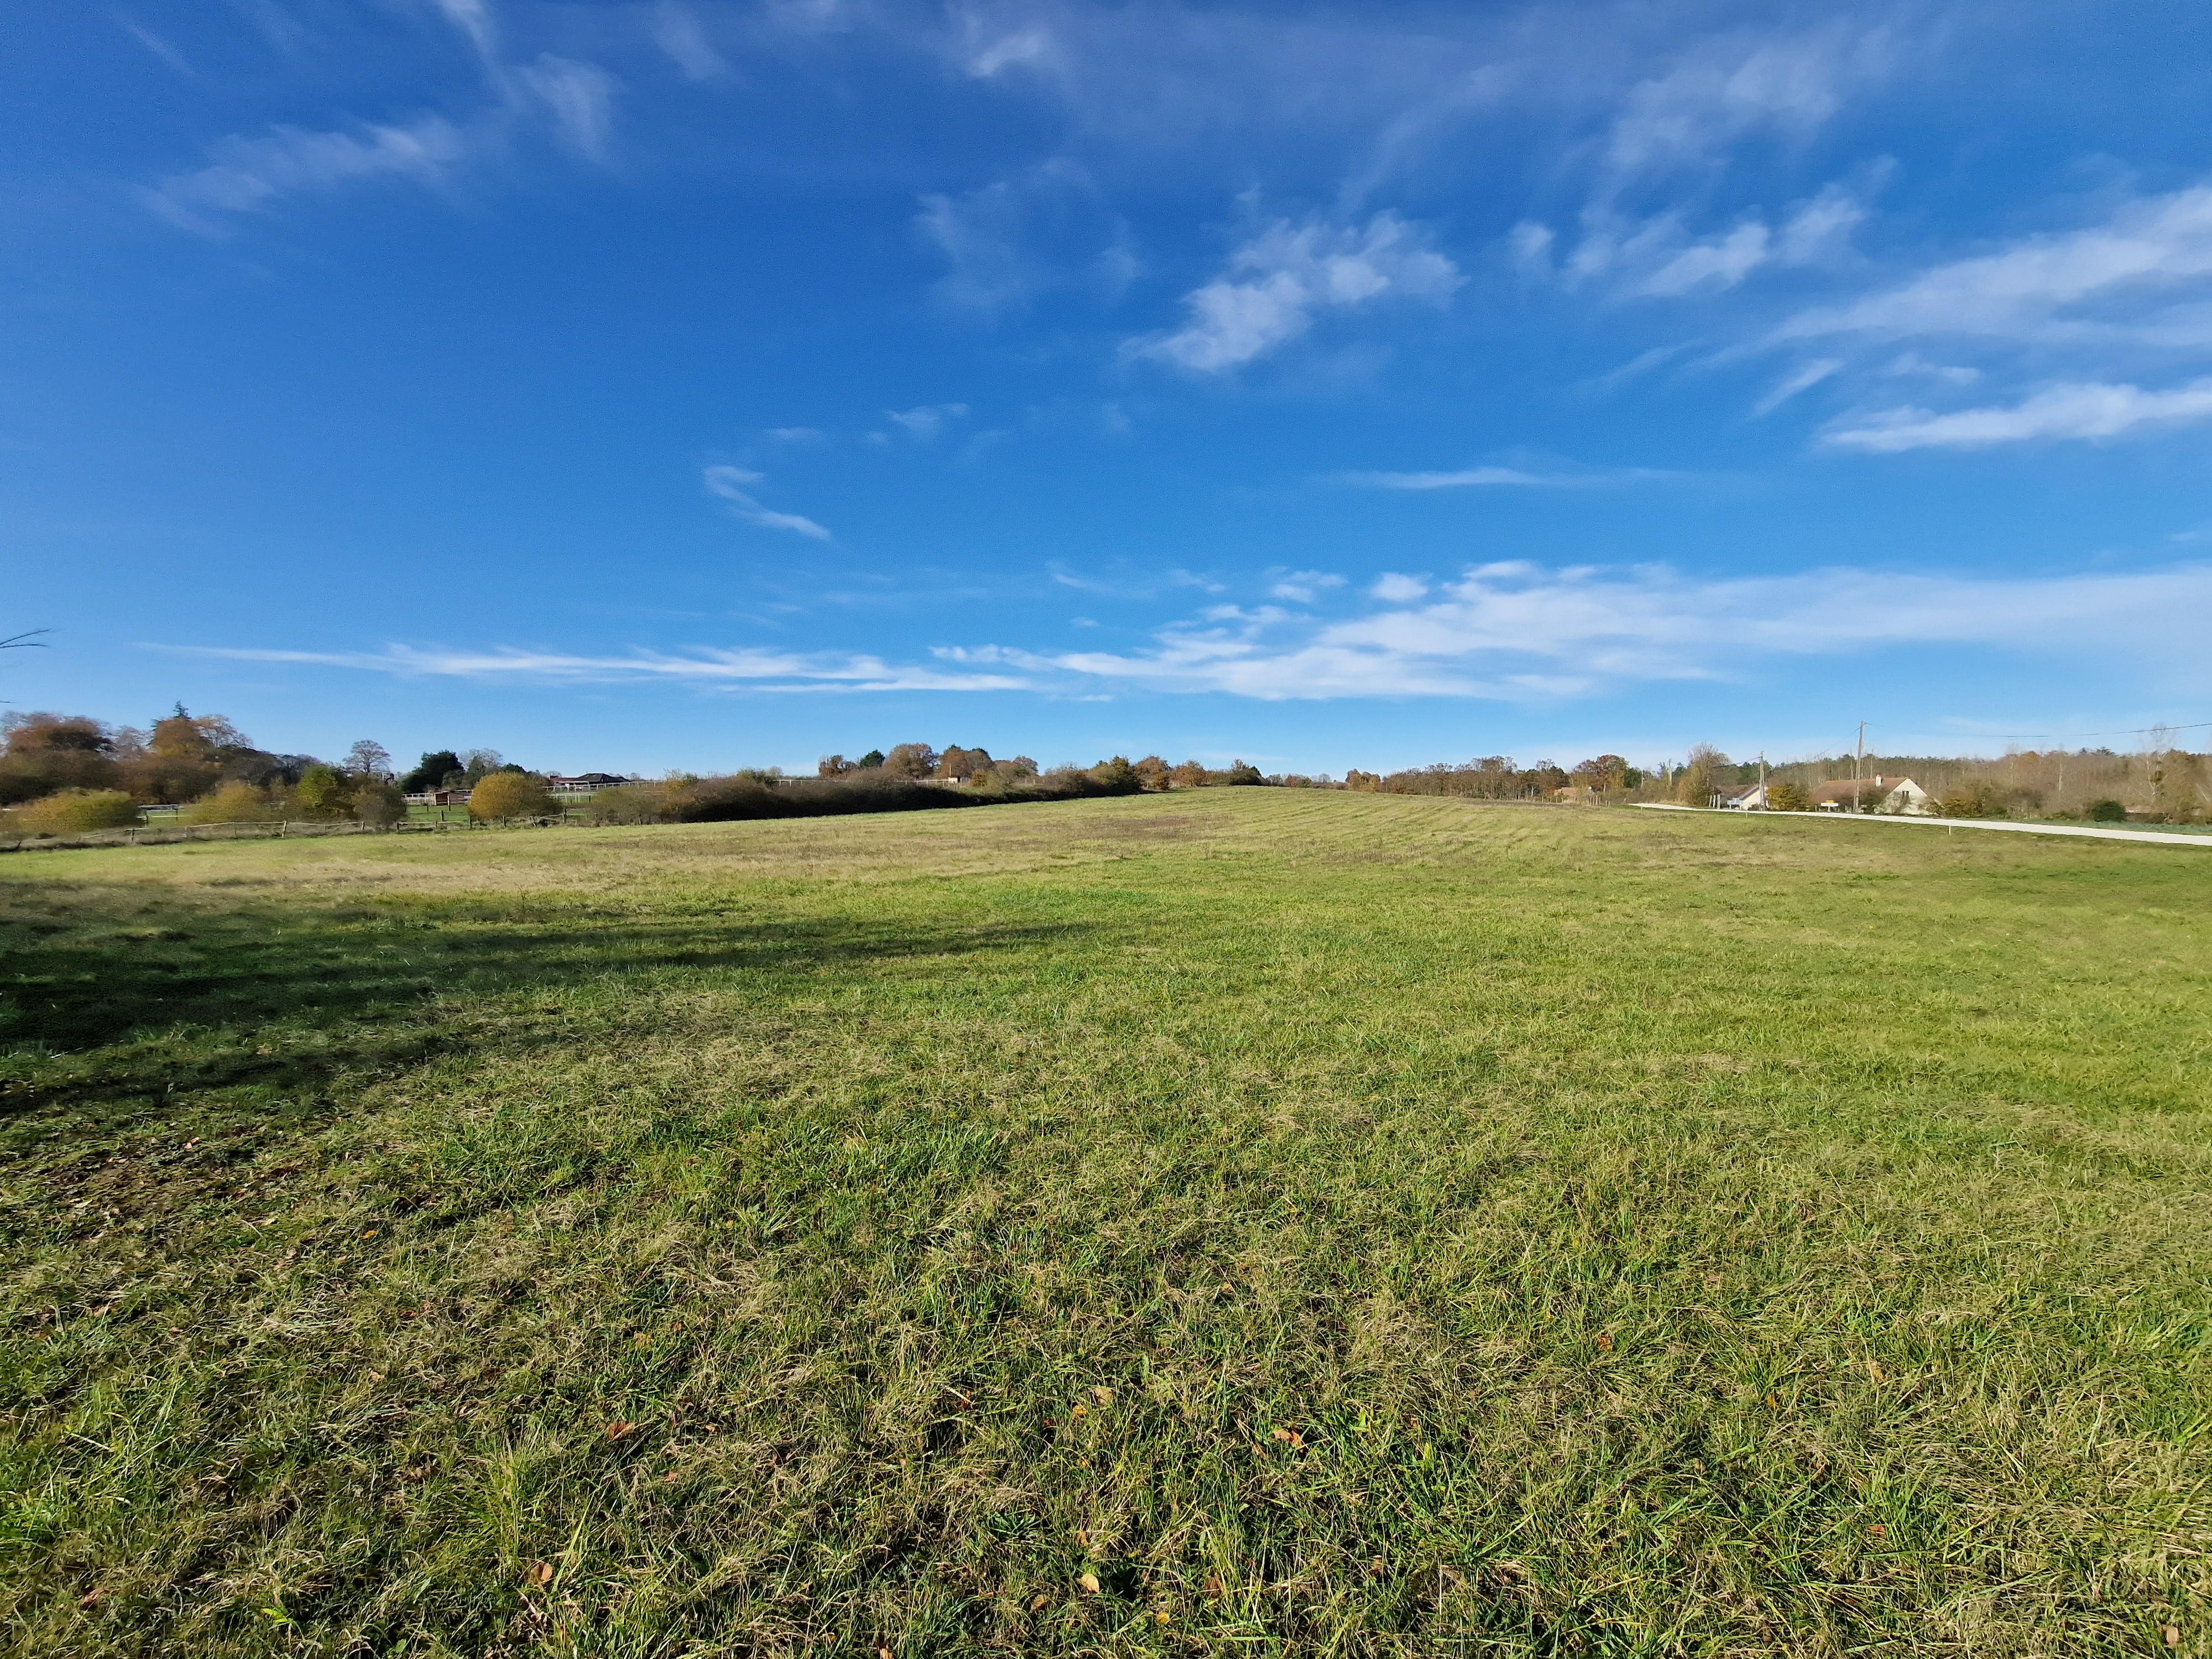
x=1658, y=258
x=568, y=100
x=1504, y=477
x=2102, y=280
x=1726, y=88
x=581, y=98
x=2093, y=412
x=245, y=175
x=752, y=669
x=2109, y=300
x=676, y=30
x=734, y=485
x=1281, y=278
x=1519, y=631
x=927, y=422
x=1514, y=631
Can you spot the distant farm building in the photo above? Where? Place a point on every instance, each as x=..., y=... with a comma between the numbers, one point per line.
x=584, y=783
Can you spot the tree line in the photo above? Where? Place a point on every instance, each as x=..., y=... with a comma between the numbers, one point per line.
x=60, y=773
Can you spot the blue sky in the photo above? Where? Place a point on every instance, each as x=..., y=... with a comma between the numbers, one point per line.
x=699, y=384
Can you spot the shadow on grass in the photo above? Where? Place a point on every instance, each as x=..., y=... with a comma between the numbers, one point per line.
x=164, y=990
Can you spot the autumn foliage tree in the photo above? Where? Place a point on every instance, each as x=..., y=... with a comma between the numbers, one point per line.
x=512, y=795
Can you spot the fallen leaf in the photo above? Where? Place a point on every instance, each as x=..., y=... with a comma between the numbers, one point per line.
x=1038, y=1601
x=1088, y=1583
x=1604, y=1343
x=540, y=1574
x=668, y=1478
x=1080, y=1411
x=1877, y=1530
x=87, y=1598
x=1282, y=1434
x=617, y=1428
x=1105, y=1397
x=1213, y=1585
x=2172, y=1634
x=1161, y=1617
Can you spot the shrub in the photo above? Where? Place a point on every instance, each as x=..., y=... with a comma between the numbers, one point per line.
x=630, y=803
x=322, y=793
x=512, y=795
x=1787, y=798
x=2107, y=811
x=73, y=811
x=376, y=801
x=234, y=802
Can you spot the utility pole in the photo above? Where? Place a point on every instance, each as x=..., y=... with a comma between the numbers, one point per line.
x=1859, y=766
x=1762, y=781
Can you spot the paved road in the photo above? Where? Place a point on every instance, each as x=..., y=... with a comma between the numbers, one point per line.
x=2163, y=838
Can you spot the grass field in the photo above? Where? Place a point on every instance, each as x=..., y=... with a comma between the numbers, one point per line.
x=1235, y=1222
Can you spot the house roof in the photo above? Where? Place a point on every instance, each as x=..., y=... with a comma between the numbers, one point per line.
x=1840, y=788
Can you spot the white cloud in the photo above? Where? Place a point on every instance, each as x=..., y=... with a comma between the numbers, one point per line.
x=1029, y=46
x=154, y=44
x=759, y=671
x=2023, y=291
x=473, y=19
x=1912, y=363
x=1656, y=259
x=1515, y=631
x=730, y=483
x=1278, y=280
x=978, y=235
x=1803, y=380
x=1045, y=226
x=249, y=174
x=1722, y=263
x=2072, y=412
x=796, y=435
x=678, y=31
x=1728, y=88
x=581, y=99
x=1508, y=477
x=1303, y=586
x=927, y=422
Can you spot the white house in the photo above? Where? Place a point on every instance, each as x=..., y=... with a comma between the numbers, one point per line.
x=1893, y=795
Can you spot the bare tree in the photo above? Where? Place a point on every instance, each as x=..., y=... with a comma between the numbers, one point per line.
x=369, y=758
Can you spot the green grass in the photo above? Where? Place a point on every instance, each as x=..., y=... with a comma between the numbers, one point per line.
x=1333, y=1225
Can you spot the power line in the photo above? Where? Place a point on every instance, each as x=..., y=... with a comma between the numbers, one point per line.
x=2129, y=732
